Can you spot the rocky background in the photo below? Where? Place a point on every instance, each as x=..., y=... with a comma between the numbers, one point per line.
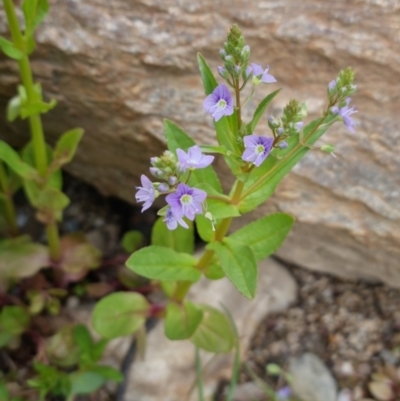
x=118, y=68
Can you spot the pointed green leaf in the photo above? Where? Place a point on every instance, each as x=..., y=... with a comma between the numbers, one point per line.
x=239, y=264
x=263, y=180
x=9, y=156
x=13, y=108
x=66, y=147
x=215, y=333
x=108, y=372
x=260, y=110
x=182, y=320
x=181, y=239
x=221, y=210
x=10, y=50
x=35, y=12
x=266, y=235
x=178, y=139
x=159, y=263
x=120, y=314
x=209, y=81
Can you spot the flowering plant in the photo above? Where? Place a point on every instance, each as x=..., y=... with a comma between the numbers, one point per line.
x=193, y=194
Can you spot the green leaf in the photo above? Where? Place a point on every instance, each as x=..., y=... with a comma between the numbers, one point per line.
x=204, y=228
x=14, y=320
x=108, y=373
x=20, y=258
x=66, y=147
x=13, y=108
x=239, y=264
x=214, y=271
x=157, y=262
x=221, y=210
x=215, y=333
x=85, y=382
x=9, y=156
x=132, y=240
x=266, y=235
x=209, y=81
x=181, y=239
x=120, y=314
x=182, y=320
x=35, y=12
x=260, y=111
x=47, y=198
x=263, y=180
x=178, y=139
x=83, y=338
x=10, y=50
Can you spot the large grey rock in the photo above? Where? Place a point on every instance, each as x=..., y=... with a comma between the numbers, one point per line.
x=118, y=68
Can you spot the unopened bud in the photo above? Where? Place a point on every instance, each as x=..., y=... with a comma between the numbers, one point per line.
x=156, y=172
x=280, y=131
x=154, y=161
x=172, y=180
x=163, y=187
x=223, y=72
x=273, y=122
x=282, y=145
x=222, y=54
x=328, y=148
x=298, y=126
x=245, y=52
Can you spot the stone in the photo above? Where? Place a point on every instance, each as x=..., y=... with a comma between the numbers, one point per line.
x=311, y=379
x=168, y=370
x=118, y=68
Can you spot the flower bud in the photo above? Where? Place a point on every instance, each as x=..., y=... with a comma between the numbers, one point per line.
x=223, y=72
x=154, y=161
x=328, y=148
x=245, y=52
x=280, y=131
x=222, y=54
x=273, y=122
x=156, y=172
x=163, y=187
x=298, y=126
x=282, y=145
x=172, y=180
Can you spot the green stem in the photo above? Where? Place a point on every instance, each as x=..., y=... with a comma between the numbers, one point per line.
x=35, y=122
x=238, y=108
x=8, y=201
x=53, y=239
x=39, y=144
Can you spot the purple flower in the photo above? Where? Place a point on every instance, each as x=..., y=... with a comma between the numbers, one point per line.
x=146, y=193
x=194, y=158
x=262, y=75
x=344, y=113
x=257, y=148
x=186, y=201
x=332, y=85
x=284, y=393
x=219, y=103
x=172, y=222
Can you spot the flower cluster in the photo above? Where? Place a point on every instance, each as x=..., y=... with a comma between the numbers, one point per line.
x=182, y=200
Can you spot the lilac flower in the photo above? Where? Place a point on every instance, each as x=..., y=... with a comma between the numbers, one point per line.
x=219, y=103
x=344, y=113
x=257, y=148
x=172, y=222
x=146, y=193
x=194, y=158
x=298, y=126
x=186, y=201
x=262, y=75
x=284, y=393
